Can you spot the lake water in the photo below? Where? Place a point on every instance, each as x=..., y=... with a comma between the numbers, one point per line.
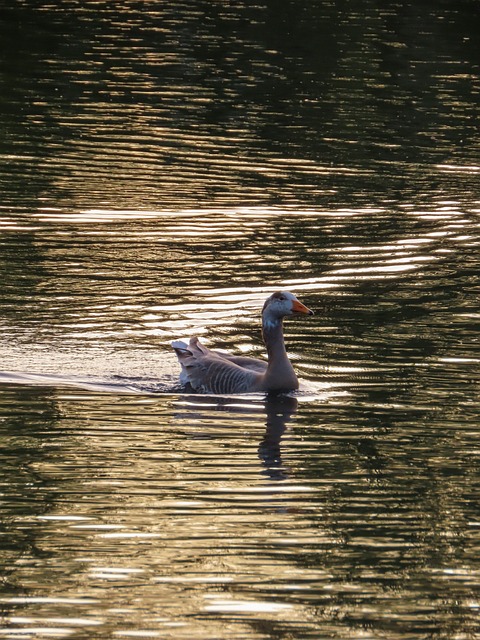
x=164, y=169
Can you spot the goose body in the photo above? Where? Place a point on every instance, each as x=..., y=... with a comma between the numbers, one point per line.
x=210, y=371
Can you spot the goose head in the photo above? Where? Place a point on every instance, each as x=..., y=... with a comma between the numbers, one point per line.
x=281, y=304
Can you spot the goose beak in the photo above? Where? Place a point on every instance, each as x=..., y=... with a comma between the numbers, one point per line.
x=298, y=307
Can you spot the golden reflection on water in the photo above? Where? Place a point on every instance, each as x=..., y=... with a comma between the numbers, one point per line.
x=148, y=277
x=153, y=562
x=187, y=513
x=165, y=169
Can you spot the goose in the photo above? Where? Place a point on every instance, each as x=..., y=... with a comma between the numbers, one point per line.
x=215, y=372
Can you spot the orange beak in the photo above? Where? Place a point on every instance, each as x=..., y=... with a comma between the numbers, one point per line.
x=298, y=307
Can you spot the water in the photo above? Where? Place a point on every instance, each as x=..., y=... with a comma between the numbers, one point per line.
x=163, y=170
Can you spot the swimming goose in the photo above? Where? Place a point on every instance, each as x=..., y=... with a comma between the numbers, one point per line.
x=214, y=372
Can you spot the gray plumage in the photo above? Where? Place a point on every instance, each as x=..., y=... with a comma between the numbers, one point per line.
x=209, y=371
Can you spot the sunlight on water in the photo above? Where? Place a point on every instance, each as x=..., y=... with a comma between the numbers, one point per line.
x=246, y=606
x=111, y=314
x=166, y=167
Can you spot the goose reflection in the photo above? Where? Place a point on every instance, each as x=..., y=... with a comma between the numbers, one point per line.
x=276, y=410
x=279, y=411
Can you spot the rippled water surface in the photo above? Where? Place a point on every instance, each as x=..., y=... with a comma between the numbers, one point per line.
x=164, y=169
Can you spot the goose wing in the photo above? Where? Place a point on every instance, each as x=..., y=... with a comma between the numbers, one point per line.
x=212, y=372
x=244, y=361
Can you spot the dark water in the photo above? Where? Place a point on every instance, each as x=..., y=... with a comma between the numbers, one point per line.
x=164, y=167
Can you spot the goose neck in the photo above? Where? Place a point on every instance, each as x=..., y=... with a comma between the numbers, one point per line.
x=273, y=337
